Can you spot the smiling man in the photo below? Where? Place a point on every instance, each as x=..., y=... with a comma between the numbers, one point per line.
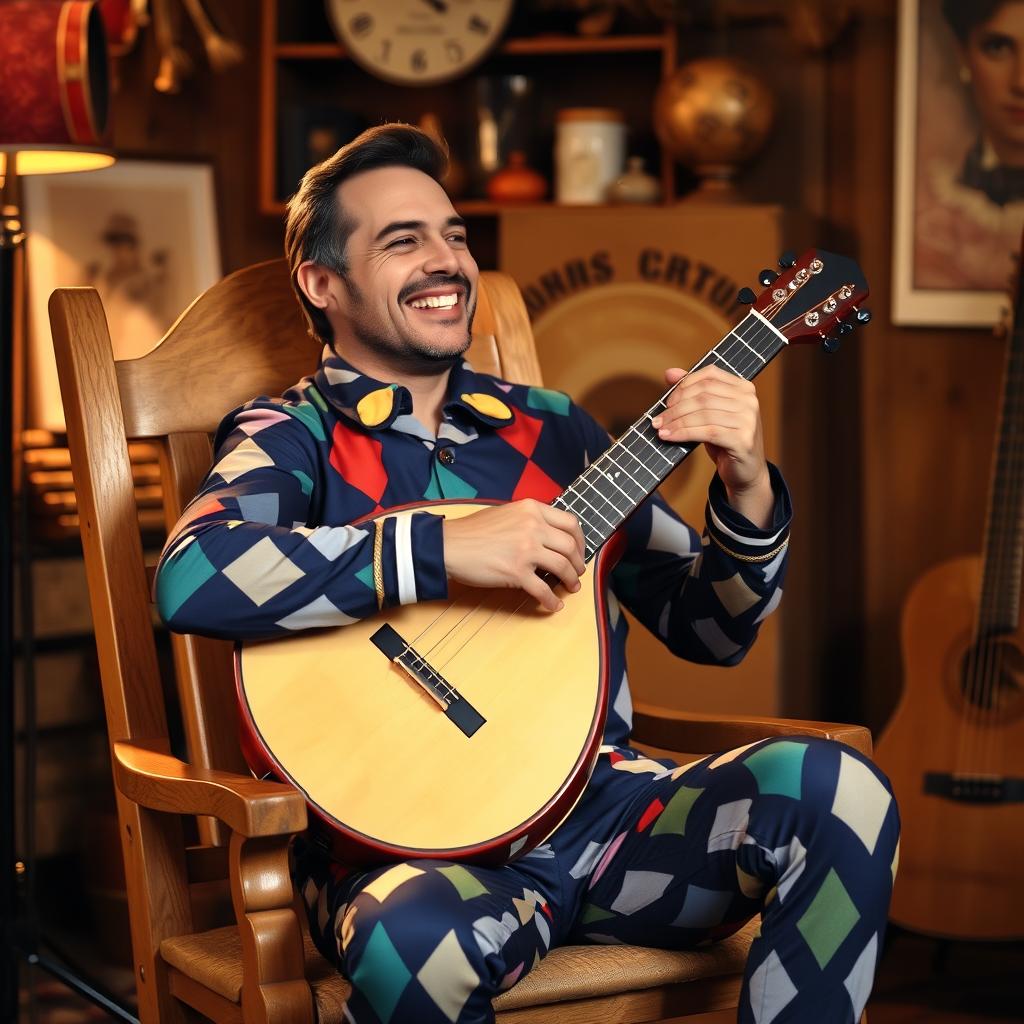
x=802, y=829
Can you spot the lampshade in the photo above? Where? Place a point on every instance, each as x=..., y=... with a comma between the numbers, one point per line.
x=54, y=86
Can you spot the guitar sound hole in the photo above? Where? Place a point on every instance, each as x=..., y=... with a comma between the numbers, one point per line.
x=992, y=677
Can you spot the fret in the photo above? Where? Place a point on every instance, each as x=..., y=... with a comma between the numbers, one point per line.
x=621, y=450
x=718, y=357
x=587, y=505
x=610, y=456
x=655, y=448
x=615, y=511
x=610, y=477
x=750, y=348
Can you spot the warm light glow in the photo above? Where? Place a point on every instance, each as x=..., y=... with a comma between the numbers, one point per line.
x=59, y=160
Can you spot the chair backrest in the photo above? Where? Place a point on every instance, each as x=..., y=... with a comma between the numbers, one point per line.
x=243, y=337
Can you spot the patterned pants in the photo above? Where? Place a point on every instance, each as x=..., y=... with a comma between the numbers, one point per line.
x=802, y=830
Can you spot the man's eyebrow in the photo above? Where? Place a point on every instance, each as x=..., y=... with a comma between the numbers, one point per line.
x=414, y=225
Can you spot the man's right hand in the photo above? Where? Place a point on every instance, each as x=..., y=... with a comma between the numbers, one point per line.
x=510, y=545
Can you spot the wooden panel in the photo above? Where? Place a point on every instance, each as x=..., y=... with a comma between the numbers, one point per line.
x=265, y=314
x=928, y=395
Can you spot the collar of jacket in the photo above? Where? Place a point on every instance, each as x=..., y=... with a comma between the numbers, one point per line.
x=376, y=404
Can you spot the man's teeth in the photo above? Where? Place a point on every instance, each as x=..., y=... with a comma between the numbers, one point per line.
x=435, y=302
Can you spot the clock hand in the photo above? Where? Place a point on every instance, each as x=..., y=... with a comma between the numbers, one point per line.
x=439, y=5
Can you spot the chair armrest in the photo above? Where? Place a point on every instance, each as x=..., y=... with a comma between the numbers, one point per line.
x=707, y=734
x=249, y=807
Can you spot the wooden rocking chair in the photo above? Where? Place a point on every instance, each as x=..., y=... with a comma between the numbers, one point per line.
x=214, y=929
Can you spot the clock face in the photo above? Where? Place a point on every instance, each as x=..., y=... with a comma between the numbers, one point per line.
x=419, y=42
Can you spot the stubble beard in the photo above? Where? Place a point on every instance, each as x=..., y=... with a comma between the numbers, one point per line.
x=411, y=352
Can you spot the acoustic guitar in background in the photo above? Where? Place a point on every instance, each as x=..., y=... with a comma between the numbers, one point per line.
x=954, y=748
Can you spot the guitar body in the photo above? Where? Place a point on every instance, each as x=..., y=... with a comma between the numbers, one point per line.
x=960, y=861
x=385, y=768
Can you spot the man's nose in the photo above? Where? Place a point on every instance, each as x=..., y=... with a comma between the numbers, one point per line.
x=438, y=258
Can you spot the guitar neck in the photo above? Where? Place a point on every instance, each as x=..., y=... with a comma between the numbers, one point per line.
x=612, y=487
x=999, y=610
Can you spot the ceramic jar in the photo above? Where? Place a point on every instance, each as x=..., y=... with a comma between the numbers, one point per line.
x=516, y=182
x=590, y=145
x=636, y=185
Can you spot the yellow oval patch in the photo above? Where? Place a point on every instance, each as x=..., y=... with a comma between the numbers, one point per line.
x=488, y=405
x=375, y=408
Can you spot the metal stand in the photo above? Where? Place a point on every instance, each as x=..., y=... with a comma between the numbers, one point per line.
x=20, y=937
x=11, y=238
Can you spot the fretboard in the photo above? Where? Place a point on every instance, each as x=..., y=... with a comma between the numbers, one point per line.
x=611, y=488
x=999, y=609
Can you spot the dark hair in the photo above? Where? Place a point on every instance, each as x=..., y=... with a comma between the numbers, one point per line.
x=964, y=15
x=317, y=228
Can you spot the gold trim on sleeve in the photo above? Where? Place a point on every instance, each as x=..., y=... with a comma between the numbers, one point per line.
x=748, y=558
x=378, y=568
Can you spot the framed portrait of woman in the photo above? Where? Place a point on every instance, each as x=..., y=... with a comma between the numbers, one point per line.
x=959, y=202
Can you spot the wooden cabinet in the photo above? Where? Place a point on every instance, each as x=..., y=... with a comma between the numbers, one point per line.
x=306, y=75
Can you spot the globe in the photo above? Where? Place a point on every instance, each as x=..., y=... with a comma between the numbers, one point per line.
x=713, y=114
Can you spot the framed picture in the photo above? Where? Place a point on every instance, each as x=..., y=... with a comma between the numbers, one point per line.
x=959, y=201
x=142, y=232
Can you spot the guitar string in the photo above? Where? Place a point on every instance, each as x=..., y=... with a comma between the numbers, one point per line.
x=1013, y=536
x=996, y=568
x=728, y=356
x=980, y=753
x=1006, y=569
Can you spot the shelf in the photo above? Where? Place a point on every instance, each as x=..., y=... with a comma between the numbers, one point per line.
x=554, y=45
x=541, y=45
x=310, y=51
x=486, y=208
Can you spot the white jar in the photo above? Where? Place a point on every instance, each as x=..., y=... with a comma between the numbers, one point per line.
x=590, y=146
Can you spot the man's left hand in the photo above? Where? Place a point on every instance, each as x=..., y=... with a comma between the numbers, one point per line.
x=721, y=410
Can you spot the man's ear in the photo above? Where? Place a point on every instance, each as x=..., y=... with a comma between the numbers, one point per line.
x=315, y=282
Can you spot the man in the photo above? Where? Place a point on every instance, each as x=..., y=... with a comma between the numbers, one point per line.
x=653, y=854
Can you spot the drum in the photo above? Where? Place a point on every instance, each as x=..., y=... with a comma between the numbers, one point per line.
x=54, y=74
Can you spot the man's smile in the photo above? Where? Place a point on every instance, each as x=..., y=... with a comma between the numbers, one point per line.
x=443, y=301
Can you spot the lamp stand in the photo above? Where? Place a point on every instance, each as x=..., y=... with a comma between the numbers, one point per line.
x=11, y=238
x=19, y=927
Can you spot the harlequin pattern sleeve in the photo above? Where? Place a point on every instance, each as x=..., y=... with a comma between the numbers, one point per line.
x=253, y=556
x=704, y=596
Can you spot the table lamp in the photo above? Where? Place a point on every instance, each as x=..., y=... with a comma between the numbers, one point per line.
x=53, y=119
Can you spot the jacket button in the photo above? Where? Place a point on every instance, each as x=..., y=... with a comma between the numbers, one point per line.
x=446, y=455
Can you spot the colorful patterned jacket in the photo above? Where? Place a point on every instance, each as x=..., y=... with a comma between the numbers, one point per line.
x=266, y=547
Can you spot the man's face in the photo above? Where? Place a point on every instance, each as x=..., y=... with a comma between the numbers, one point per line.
x=411, y=286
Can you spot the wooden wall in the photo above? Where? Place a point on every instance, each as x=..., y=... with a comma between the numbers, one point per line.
x=907, y=415
x=928, y=396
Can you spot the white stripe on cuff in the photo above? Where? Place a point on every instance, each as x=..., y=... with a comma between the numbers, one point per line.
x=753, y=541
x=403, y=560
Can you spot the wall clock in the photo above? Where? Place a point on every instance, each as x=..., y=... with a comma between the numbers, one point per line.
x=418, y=42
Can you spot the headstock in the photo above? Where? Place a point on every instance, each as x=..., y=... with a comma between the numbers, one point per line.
x=816, y=297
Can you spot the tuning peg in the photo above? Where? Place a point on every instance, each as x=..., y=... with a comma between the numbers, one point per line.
x=863, y=316
x=746, y=295
x=767, y=276
x=830, y=344
x=845, y=327
x=787, y=259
